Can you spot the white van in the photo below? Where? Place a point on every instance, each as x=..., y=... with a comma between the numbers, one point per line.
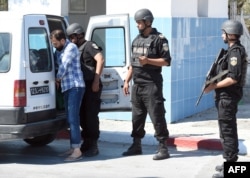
x=30, y=107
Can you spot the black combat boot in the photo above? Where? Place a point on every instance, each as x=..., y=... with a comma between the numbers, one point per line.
x=134, y=149
x=92, y=149
x=162, y=152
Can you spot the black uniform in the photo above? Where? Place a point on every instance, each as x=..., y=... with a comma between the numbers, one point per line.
x=227, y=99
x=90, y=106
x=147, y=96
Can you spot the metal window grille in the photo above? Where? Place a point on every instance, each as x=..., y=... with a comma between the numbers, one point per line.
x=77, y=6
x=3, y=5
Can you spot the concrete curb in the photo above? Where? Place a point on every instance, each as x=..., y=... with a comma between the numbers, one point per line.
x=181, y=142
x=244, y=147
x=195, y=143
x=184, y=142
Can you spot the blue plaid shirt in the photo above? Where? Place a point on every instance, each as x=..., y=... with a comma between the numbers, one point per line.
x=69, y=67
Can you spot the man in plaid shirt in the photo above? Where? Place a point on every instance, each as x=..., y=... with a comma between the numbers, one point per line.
x=70, y=78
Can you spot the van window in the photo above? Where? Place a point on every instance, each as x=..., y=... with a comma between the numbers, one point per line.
x=4, y=52
x=112, y=42
x=55, y=24
x=39, y=50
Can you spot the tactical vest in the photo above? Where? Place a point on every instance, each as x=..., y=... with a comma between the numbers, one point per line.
x=144, y=47
x=223, y=65
x=88, y=64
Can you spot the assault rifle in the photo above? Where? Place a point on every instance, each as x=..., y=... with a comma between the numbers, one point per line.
x=210, y=78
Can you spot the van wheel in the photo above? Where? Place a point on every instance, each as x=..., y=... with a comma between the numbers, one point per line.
x=41, y=140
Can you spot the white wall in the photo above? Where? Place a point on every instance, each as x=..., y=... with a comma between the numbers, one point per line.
x=184, y=8
x=55, y=7
x=171, y=8
x=160, y=8
x=213, y=8
x=218, y=8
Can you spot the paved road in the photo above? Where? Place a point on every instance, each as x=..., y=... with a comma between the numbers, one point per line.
x=19, y=160
x=197, y=131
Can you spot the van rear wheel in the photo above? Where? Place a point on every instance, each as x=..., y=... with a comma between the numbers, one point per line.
x=40, y=140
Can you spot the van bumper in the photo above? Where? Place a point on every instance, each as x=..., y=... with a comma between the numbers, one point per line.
x=30, y=130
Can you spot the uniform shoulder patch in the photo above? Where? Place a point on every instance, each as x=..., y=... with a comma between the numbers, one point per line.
x=165, y=46
x=161, y=36
x=95, y=46
x=233, y=61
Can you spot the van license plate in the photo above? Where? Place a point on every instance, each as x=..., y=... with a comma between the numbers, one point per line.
x=39, y=90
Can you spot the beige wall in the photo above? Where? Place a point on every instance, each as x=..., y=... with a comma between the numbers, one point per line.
x=94, y=7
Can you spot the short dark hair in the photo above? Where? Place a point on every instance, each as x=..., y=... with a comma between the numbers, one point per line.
x=58, y=34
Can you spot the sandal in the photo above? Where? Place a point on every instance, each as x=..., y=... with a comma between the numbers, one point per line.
x=69, y=152
x=73, y=158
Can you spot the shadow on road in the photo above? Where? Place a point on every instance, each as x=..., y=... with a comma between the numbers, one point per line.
x=21, y=153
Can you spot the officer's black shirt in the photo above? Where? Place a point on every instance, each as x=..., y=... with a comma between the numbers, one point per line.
x=234, y=63
x=153, y=46
x=88, y=63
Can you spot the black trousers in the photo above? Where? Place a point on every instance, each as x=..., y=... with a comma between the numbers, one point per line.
x=148, y=99
x=90, y=109
x=227, y=109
